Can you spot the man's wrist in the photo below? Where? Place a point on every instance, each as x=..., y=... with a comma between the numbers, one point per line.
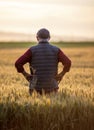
x=63, y=73
x=24, y=73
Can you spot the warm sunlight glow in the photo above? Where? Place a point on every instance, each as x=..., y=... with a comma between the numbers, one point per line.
x=60, y=17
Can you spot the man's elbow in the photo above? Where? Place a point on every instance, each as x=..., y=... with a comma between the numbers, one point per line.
x=16, y=64
x=18, y=67
x=69, y=65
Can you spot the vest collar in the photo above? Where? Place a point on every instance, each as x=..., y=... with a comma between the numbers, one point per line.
x=43, y=42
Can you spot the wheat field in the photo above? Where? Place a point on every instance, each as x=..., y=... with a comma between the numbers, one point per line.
x=72, y=108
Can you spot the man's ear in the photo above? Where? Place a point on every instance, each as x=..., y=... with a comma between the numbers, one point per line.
x=48, y=38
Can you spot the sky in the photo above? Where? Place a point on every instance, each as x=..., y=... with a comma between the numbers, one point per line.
x=73, y=18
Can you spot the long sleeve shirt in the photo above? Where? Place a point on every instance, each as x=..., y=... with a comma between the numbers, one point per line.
x=27, y=56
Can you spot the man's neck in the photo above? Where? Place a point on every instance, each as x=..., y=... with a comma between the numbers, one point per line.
x=43, y=40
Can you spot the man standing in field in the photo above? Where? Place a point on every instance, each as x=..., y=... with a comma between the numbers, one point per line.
x=43, y=60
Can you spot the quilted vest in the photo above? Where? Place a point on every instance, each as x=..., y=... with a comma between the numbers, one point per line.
x=45, y=63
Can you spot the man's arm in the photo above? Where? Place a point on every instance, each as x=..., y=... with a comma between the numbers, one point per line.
x=66, y=62
x=25, y=58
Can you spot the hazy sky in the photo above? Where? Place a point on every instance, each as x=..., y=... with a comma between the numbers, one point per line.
x=61, y=17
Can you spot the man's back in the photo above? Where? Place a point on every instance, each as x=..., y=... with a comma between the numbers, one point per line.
x=45, y=62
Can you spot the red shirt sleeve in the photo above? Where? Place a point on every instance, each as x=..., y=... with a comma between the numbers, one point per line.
x=65, y=61
x=25, y=58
